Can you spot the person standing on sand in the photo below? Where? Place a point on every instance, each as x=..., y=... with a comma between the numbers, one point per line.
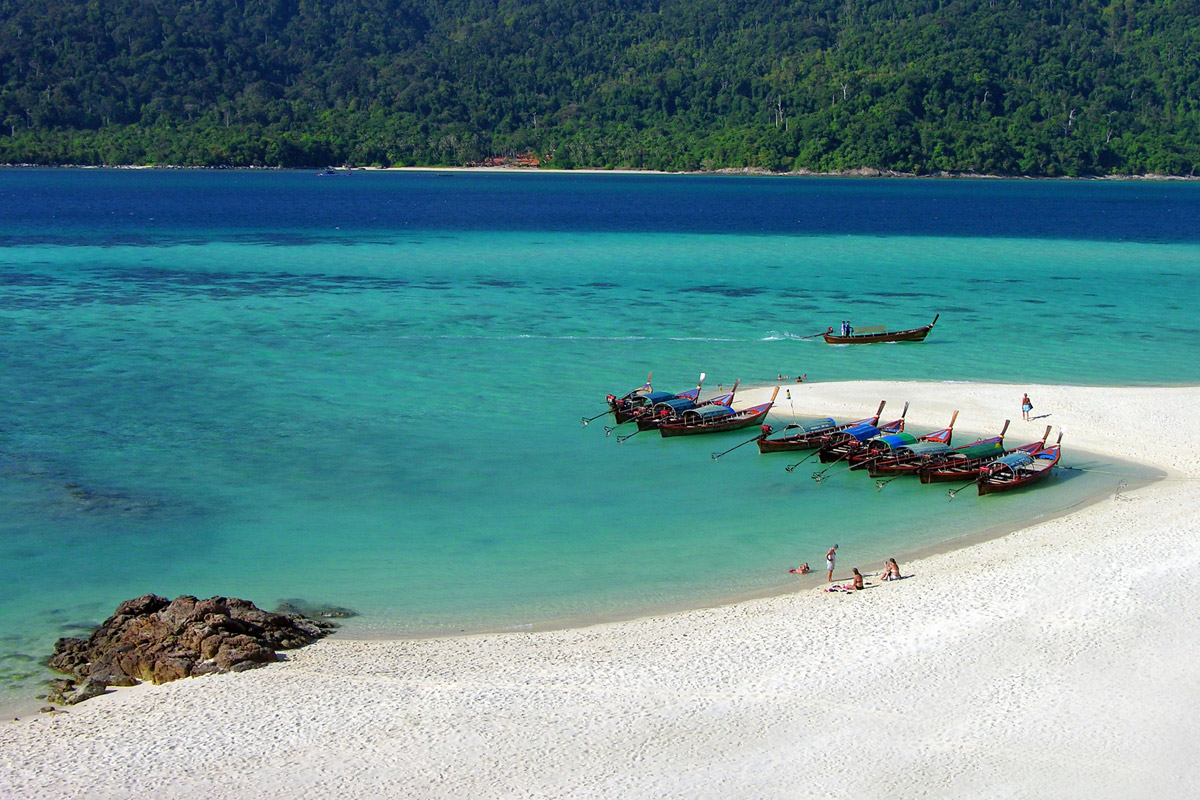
x=1026, y=406
x=829, y=558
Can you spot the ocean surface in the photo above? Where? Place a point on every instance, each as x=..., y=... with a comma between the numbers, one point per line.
x=366, y=390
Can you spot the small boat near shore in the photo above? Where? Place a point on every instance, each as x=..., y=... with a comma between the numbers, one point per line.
x=840, y=445
x=716, y=418
x=625, y=407
x=878, y=333
x=672, y=410
x=886, y=452
x=1019, y=469
x=965, y=463
x=808, y=434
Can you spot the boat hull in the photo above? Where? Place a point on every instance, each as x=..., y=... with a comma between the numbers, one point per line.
x=994, y=487
x=910, y=335
x=668, y=429
x=946, y=474
x=879, y=469
x=783, y=444
x=913, y=335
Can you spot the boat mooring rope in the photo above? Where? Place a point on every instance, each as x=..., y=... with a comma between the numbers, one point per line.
x=1130, y=474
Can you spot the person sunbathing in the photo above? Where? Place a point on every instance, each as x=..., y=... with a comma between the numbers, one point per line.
x=891, y=570
x=858, y=579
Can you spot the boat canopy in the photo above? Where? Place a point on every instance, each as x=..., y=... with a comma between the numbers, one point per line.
x=657, y=397
x=1014, y=460
x=676, y=406
x=814, y=424
x=892, y=441
x=707, y=413
x=861, y=432
x=927, y=448
x=981, y=449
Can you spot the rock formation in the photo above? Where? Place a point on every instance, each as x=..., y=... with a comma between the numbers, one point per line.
x=159, y=640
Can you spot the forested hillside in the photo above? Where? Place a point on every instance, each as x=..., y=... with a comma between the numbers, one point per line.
x=1030, y=87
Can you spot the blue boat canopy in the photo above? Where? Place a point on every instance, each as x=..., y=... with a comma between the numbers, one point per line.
x=709, y=413
x=814, y=424
x=1014, y=460
x=658, y=397
x=862, y=432
x=676, y=406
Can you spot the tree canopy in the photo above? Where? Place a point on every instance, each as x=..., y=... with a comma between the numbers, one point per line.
x=1015, y=87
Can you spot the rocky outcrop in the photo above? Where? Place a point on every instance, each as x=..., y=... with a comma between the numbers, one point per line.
x=158, y=640
x=297, y=605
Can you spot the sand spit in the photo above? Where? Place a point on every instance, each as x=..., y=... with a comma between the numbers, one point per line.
x=1060, y=660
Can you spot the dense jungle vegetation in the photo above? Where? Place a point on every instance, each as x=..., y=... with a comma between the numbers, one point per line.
x=1018, y=87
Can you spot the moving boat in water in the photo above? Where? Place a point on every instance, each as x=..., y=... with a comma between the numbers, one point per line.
x=965, y=463
x=1019, y=469
x=878, y=333
x=713, y=417
x=808, y=434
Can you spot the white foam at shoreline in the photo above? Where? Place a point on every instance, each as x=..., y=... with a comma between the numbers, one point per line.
x=1060, y=659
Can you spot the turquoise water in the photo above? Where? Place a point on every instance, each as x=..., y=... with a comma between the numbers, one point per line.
x=366, y=391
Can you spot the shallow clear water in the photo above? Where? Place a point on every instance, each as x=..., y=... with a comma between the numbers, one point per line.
x=367, y=390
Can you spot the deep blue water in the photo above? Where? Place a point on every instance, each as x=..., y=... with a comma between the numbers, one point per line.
x=140, y=207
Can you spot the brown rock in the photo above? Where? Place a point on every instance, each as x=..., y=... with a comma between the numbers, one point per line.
x=151, y=638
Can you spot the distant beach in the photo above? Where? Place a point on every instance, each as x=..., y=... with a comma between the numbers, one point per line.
x=1058, y=658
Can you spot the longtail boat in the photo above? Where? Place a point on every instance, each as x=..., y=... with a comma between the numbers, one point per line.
x=1019, y=469
x=841, y=444
x=673, y=410
x=879, y=333
x=629, y=408
x=807, y=434
x=896, y=446
x=715, y=417
x=624, y=407
x=965, y=464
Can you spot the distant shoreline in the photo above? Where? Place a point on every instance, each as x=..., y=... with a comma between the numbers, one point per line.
x=753, y=172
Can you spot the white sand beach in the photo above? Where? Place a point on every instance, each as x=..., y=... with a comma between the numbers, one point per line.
x=1058, y=660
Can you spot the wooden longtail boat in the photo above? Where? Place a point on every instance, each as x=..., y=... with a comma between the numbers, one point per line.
x=879, y=333
x=841, y=444
x=965, y=464
x=894, y=447
x=714, y=418
x=623, y=408
x=807, y=434
x=1020, y=469
x=672, y=410
x=637, y=402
